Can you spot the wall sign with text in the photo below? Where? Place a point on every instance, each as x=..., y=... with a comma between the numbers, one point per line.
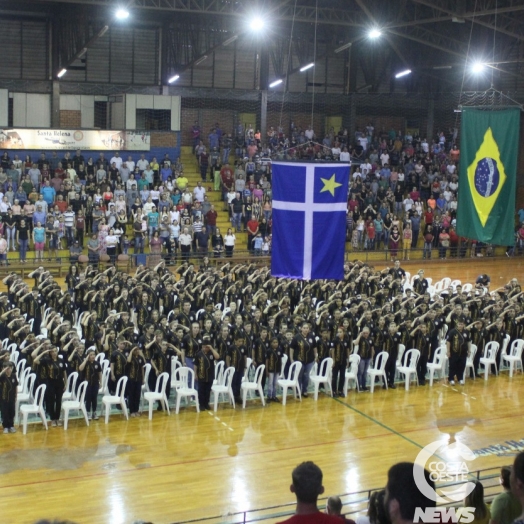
x=75, y=139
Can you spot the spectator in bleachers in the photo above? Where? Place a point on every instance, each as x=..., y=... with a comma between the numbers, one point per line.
x=505, y=507
x=307, y=487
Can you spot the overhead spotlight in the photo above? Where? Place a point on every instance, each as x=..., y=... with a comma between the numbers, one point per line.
x=122, y=14
x=343, y=47
x=403, y=73
x=478, y=67
x=173, y=79
x=257, y=24
x=306, y=67
x=229, y=40
x=200, y=60
x=62, y=73
x=276, y=83
x=375, y=33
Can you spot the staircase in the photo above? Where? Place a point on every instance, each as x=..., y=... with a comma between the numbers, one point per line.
x=192, y=172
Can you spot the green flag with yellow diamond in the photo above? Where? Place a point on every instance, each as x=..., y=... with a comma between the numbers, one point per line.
x=488, y=170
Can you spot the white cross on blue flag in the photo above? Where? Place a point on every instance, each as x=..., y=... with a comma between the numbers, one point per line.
x=309, y=220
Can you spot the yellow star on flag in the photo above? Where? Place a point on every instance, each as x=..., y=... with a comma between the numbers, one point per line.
x=330, y=185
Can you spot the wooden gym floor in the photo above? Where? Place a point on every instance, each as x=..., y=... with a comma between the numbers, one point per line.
x=195, y=465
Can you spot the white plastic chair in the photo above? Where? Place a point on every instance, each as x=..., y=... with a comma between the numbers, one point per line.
x=283, y=366
x=446, y=282
x=104, y=385
x=455, y=283
x=490, y=358
x=37, y=408
x=351, y=374
x=26, y=395
x=247, y=371
x=14, y=357
x=117, y=399
x=175, y=364
x=219, y=373
x=78, y=323
x=514, y=359
x=470, y=361
x=22, y=376
x=409, y=368
x=401, y=349
x=378, y=370
x=100, y=357
x=185, y=381
x=438, y=365
x=69, y=393
x=224, y=387
x=504, y=352
x=145, y=386
x=78, y=404
x=12, y=348
x=466, y=288
x=159, y=394
x=291, y=382
x=323, y=377
x=256, y=385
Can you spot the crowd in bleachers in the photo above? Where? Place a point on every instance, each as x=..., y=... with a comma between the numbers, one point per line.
x=403, y=195
x=403, y=190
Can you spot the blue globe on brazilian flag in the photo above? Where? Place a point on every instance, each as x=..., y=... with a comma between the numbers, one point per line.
x=488, y=168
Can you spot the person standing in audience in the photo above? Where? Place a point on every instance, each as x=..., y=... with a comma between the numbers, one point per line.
x=403, y=497
x=458, y=348
x=205, y=371
x=505, y=507
x=307, y=487
x=135, y=375
x=517, y=483
x=475, y=500
x=91, y=371
x=334, y=507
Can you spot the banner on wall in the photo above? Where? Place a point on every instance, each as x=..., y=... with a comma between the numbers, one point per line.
x=74, y=139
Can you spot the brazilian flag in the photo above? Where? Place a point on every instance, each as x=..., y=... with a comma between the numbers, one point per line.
x=488, y=171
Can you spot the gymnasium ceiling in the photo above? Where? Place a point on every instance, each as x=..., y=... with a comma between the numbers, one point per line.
x=429, y=35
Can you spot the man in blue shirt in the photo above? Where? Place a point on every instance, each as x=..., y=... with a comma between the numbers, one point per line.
x=48, y=192
x=214, y=140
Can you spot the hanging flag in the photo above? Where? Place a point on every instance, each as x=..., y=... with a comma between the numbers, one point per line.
x=309, y=220
x=488, y=171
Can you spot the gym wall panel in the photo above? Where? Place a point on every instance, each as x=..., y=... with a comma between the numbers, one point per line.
x=4, y=107
x=31, y=110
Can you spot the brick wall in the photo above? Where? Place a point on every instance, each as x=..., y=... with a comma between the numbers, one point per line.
x=163, y=139
x=70, y=119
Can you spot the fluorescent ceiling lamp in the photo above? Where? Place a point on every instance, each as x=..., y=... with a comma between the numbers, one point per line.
x=173, y=79
x=306, y=67
x=436, y=68
x=343, y=47
x=375, y=33
x=200, y=60
x=478, y=67
x=257, y=23
x=103, y=31
x=276, y=83
x=122, y=14
x=62, y=73
x=229, y=40
x=403, y=73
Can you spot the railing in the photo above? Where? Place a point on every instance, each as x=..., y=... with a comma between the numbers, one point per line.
x=61, y=263
x=354, y=502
